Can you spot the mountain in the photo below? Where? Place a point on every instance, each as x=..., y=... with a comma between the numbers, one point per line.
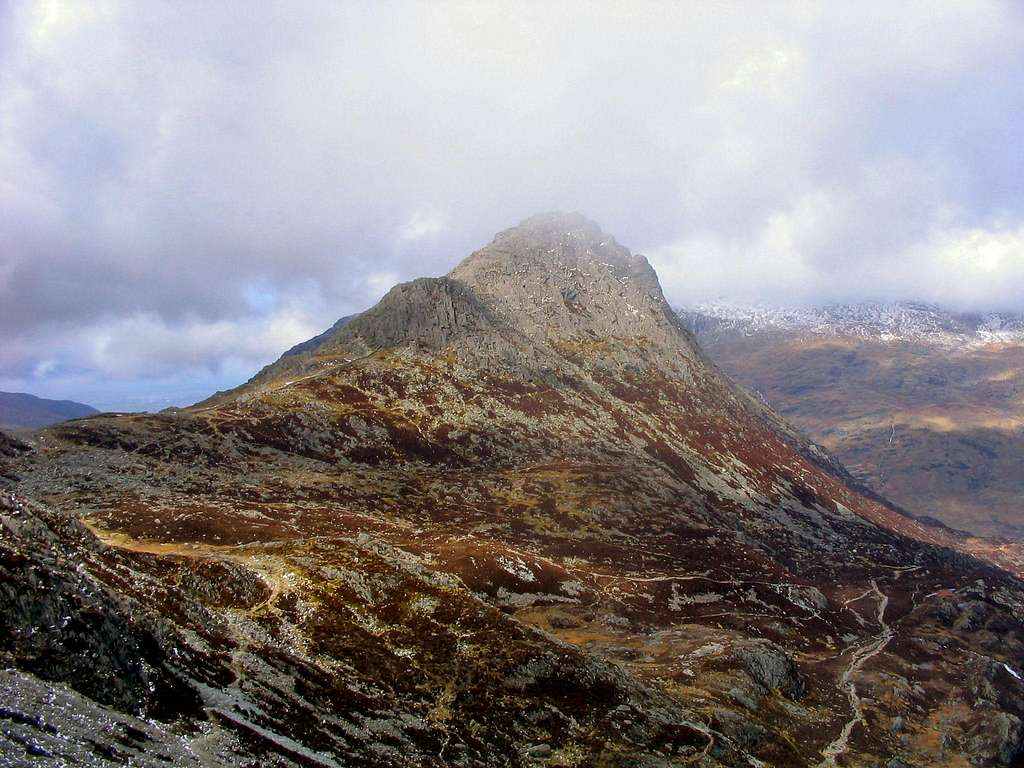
x=924, y=405
x=896, y=322
x=23, y=411
x=508, y=516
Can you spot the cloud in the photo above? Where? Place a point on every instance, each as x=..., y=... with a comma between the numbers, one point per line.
x=421, y=225
x=972, y=268
x=143, y=344
x=177, y=180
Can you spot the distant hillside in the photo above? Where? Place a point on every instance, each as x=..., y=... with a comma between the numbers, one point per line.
x=923, y=404
x=19, y=410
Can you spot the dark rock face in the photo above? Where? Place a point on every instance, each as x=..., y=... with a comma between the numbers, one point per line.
x=60, y=624
x=430, y=313
x=46, y=724
x=509, y=517
x=10, y=448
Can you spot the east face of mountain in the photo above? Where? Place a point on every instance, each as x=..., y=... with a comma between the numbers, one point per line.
x=924, y=405
x=512, y=516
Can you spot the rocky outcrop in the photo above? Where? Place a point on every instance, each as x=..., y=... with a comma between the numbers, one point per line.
x=558, y=277
x=771, y=668
x=53, y=726
x=58, y=623
x=12, y=446
x=430, y=313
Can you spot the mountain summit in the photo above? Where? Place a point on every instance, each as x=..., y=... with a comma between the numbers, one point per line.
x=554, y=280
x=559, y=277
x=509, y=516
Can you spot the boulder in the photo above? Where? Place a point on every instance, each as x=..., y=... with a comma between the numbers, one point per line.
x=771, y=668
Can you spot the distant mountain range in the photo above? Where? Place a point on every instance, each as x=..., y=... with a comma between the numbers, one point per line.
x=19, y=410
x=923, y=404
x=895, y=321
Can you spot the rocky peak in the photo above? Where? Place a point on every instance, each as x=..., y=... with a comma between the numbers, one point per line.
x=556, y=246
x=558, y=276
x=554, y=281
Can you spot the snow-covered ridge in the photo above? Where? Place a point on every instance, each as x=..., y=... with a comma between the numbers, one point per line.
x=896, y=321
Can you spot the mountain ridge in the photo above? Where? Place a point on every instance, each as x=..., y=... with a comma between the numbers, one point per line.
x=887, y=321
x=20, y=410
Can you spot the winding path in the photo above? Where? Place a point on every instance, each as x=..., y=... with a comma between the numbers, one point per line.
x=860, y=657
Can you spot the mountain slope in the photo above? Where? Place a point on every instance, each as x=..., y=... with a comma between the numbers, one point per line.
x=512, y=516
x=19, y=410
x=923, y=405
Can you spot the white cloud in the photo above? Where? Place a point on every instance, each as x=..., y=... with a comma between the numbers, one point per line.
x=421, y=225
x=766, y=71
x=129, y=346
x=975, y=268
x=44, y=368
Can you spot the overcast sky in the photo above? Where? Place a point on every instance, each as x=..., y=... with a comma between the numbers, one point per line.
x=187, y=189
